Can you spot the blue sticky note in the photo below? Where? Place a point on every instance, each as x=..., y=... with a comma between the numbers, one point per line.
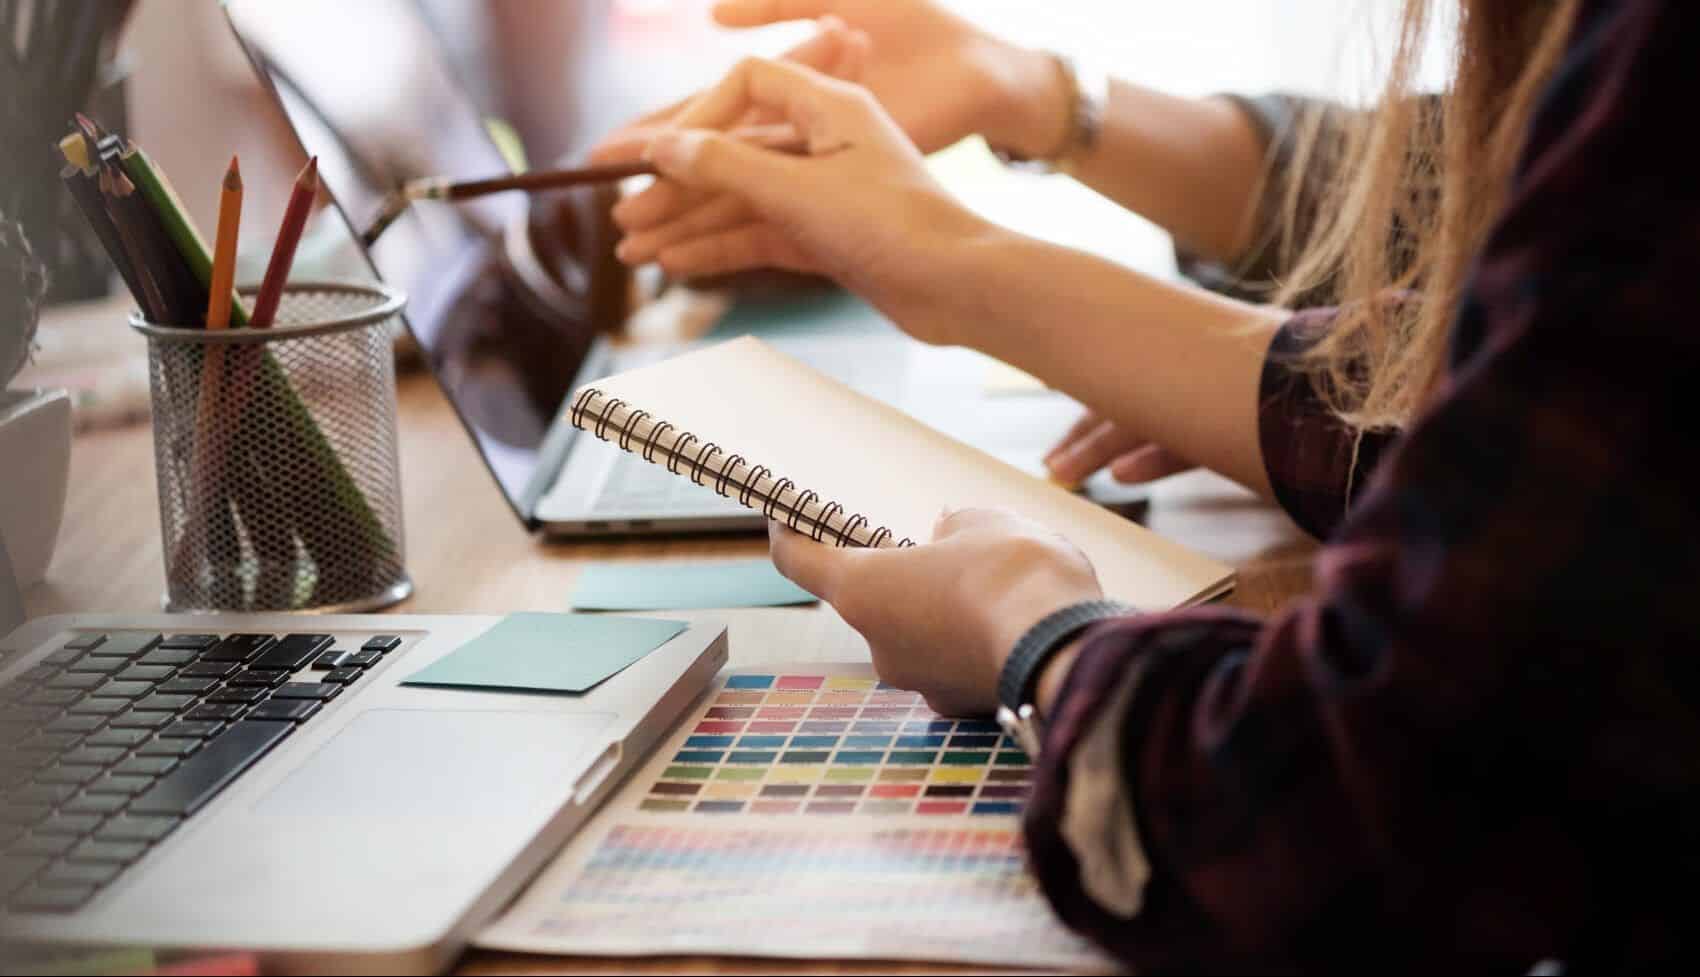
x=548, y=652
x=678, y=586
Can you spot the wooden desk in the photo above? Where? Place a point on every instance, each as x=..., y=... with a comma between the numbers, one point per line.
x=468, y=553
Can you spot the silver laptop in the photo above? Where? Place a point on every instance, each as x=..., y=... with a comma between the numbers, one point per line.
x=267, y=783
x=476, y=287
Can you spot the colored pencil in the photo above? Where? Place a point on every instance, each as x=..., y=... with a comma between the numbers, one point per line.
x=283, y=253
x=224, y=250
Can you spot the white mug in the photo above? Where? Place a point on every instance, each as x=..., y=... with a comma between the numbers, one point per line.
x=35, y=469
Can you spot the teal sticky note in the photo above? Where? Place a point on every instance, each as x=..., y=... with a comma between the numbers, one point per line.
x=548, y=652
x=677, y=586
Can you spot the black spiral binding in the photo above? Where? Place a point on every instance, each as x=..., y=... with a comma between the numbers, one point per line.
x=820, y=527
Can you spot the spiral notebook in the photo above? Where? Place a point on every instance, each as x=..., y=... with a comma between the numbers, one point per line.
x=757, y=426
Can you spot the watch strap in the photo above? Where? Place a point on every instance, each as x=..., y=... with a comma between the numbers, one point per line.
x=1021, y=670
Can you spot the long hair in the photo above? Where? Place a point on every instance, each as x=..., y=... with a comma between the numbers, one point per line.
x=1417, y=196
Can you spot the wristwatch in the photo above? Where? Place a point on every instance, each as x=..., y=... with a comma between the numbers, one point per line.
x=1089, y=96
x=1018, y=714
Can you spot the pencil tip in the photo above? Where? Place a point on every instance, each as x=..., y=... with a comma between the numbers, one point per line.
x=233, y=176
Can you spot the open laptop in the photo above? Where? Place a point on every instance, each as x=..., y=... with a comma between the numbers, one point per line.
x=391, y=109
x=267, y=783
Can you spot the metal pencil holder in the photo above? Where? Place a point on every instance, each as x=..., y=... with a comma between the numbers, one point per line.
x=275, y=450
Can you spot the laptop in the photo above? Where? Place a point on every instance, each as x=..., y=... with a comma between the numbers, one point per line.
x=267, y=783
x=391, y=110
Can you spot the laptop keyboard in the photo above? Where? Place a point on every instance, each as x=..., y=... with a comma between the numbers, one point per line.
x=116, y=738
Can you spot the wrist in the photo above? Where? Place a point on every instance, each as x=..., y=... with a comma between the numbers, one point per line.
x=1028, y=104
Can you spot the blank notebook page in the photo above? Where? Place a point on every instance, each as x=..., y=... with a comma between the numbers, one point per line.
x=873, y=459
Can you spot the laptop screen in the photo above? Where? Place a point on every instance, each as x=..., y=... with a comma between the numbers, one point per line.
x=368, y=90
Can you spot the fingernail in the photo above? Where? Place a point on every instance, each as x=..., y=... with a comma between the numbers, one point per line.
x=674, y=152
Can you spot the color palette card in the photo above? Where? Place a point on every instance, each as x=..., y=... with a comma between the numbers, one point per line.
x=801, y=812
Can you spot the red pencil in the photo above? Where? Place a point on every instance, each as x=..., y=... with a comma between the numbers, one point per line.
x=283, y=253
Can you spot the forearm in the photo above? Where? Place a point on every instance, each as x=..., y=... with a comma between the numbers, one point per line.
x=1192, y=166
x=1173, y=364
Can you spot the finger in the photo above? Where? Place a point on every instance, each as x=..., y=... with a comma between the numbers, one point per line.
x=747, y=248
x=1098, y=448
x=707, y=160
x=756, y=13
x=823, y=50
x=718, y=214
x=819, y=106
x=657, y=204
x=1088, y=423
x=854, y=50
x=1147, y=464
x=816, y=567
x=617, y=146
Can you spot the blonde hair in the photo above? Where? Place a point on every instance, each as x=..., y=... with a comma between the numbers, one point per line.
x=1417, y=194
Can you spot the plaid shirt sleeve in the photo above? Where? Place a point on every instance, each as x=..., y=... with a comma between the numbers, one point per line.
x=1477, y=745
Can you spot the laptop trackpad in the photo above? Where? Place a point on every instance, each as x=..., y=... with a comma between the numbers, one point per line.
x=438, y=763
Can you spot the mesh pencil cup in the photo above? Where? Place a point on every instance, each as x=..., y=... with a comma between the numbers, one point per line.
x=275, y=450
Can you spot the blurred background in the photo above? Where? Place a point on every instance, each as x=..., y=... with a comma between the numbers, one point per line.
x=564, y=71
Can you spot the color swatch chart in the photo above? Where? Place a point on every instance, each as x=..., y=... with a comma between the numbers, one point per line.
x=807, y=811
x=790, y=744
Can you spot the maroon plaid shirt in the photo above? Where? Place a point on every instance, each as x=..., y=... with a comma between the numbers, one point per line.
x=1477, y=745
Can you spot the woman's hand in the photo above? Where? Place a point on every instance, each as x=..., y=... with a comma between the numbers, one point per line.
x=940, y=618
x=1095, y=442
x=860, y=207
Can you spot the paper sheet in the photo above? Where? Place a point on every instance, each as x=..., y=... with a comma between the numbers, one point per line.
x=680, y=586
x=548, y=652
x=807, y=811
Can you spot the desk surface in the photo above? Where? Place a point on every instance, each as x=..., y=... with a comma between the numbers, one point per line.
x=468, y=553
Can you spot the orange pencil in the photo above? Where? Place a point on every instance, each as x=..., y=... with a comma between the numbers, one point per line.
x=224, y=250
x=283, y=253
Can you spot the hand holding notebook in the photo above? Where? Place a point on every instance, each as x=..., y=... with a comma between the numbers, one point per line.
x=759, y=427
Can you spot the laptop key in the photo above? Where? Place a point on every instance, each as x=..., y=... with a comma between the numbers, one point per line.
x=168, y=748
x=215, y=712
x=163, y=703
x=69, y=824
x=117, y=737
x=257, y=678
x=49, y=743
x=381, y=643
x=125, y=644
x=145, y=673
x=130, y=828
x=51, y=898
x=307, y=690
x=240, y=697
x=74, y=724
x=123, y=690
x=120, y=785
x=38, y=674
x=199, y=778
x=145, y=765
x=93, y=756
x=63, y=657
x=364, y=659
x=342, y=676
x=293, y=652
x=193, y=642
x=237, y=648
x=67, y=776
x=99, y=707
x=98, y=850
x=58, y=698
x=284, y=710
x=76, y=680
x=207, y=670
x=168, y=656
x=99, y=666
x=86, y=803
x=44, y=794
x=193, y=729
x=141, y=720
x=188, y=686
x=38, y=844
x=80, y=873
x=83, y=642
x=327, y=660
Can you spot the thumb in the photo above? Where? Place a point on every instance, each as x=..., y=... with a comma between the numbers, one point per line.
x=715, y=161
x=815, y=567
